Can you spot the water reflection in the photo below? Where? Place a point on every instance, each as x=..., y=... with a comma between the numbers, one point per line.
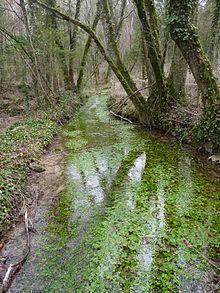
x=155, y=229
x=136, y=172
x=117, y=216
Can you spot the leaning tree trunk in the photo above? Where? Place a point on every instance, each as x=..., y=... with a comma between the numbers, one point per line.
x=148, y=18
x=186, y=37
x=137, y=99
x=87, y=46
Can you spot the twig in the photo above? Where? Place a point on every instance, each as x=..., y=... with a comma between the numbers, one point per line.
x=121, y=117
x=141, y=89
x=124, y=100
x=13, y=269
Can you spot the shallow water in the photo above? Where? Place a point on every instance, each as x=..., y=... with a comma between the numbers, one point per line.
x=138, y=215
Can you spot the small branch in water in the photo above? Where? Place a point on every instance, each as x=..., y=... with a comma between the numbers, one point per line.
x=13, y=269
x=121, y=117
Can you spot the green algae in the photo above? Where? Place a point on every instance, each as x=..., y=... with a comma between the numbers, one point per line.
x=138, y=214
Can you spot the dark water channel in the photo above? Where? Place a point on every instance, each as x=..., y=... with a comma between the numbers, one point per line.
x=138, y=215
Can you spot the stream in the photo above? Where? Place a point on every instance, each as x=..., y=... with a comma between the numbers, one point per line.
x=138, y=214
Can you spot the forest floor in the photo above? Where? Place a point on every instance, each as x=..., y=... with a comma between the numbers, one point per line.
x=12, y=107
x=24, y=135
x=41, y=191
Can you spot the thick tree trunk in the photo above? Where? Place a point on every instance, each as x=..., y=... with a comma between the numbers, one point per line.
x=177, y=76
x=136, y=97
x=148, y=19
x=185, y=36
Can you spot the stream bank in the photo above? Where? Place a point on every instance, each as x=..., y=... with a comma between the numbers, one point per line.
x=180, y=122
x=137, y=214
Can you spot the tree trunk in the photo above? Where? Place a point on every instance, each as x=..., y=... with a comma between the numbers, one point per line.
x=87, y=46
x=214, y=38
x=148, y=19
x=146, y=65
x=136, y=97
x=118, y=29
x=120, y=71
x=185, y=36
x=177, y=76
x=72, y=45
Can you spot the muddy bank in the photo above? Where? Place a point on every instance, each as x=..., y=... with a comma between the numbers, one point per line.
x=41, y=194
x=178, y=123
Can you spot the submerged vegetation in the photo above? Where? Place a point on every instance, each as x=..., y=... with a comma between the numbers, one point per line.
x=138, y=214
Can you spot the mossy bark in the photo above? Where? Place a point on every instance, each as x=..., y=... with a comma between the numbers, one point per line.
x=148, y=18
x=147, y=71
x=186, y=37
x=177, y=77
x=136, y=97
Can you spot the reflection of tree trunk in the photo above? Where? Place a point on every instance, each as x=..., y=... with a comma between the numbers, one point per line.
x=122, y=172
x=186, y=38
x=177, y=76
x=86, y=48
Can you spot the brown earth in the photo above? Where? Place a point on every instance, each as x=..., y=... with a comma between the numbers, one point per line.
x=41, y=193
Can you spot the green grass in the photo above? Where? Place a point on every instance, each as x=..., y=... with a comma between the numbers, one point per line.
x=22, y=143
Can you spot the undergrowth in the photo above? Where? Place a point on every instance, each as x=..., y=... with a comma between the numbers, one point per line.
x=22, y=143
